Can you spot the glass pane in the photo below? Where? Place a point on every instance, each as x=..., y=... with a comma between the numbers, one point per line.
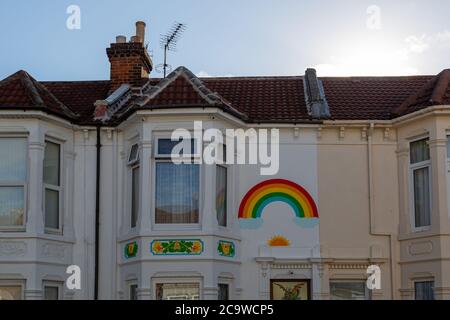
x=51, y=164
x=51, y=293
x=51, y=209
x=421, y=197
x=419, y=151
x=134, y=153
x=133, y=292
x=177, y=193
x=348, y=290
x=424, y=290
x=165, y=146
x=177, y=291
x=13, y=155
x=11, y=206
x=10, y=292
x=223, y=291
x=448, y=146
x=134, y=196
x=221, y=195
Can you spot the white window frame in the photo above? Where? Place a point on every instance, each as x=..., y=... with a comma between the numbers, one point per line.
x=132, y=161
x=59, y=188
x=15, y=283
x=129, y=284
x=180, y=280
x=53, y=284
x=411, y=168
x=228, y=168
x=24, y=185
x=132, y=164
x=160, y=158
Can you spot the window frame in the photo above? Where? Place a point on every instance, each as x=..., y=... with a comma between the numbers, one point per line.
x=187, y=280
x=367, y=291
x=59, y=189
x=165, y=158
x=227, y=167
x=24, y=184
x=129, y=285
x=133, y=164
x=422, y=281
x=412, y=167
x=224, y=283
x=15, y=283
x=136, y=159
x=53, y=284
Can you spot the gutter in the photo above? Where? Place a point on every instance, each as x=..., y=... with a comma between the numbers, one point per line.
x=97, y=214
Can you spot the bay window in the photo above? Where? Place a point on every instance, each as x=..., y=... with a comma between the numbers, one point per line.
x=13, y=175
x=420, y=177
x=52, y=186
x=176, y=186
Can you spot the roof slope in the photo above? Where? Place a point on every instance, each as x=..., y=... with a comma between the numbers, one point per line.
x=253, y=99
x=80, y=96
x=181, y=88
x=20, y=90
x=264, y=98
x=434, y=92
x=369, y=98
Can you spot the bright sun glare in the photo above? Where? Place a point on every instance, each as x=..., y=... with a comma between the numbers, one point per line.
x=369, y=59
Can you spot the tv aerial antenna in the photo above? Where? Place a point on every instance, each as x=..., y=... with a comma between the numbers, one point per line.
x=168, y=42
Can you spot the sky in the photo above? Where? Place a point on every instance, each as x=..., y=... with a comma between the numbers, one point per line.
x=230, y=38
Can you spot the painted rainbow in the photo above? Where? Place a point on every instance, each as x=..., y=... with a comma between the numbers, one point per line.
x=266, y=192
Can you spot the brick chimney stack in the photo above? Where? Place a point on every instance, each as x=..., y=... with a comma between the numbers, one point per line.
x=130, y=62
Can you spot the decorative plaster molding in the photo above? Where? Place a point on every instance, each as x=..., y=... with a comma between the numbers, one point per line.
x=13, y=248
x=53, y=250
x=349, y=266
x=291, y=266
x=419, y=248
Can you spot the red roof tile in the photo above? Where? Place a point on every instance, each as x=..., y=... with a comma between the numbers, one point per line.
x=80, y=96
x=264, y=98
x=20, y=90
x=436, y=91
x=256, y=99
x=365, y=98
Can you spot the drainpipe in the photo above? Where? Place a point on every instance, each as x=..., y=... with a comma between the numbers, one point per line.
x=371, y=214
x=97, y=214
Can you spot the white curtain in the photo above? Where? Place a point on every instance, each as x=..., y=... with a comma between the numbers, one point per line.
x=177, y=193
x=13, y=160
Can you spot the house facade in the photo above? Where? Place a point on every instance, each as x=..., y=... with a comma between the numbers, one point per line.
x=88, y=186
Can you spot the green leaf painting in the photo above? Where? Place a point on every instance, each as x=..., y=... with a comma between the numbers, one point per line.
x=177, y=247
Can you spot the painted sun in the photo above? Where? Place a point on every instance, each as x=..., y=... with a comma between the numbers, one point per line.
x=278, y=241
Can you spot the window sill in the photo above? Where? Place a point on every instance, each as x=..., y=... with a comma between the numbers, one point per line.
x=13, y=229
x=177, y=227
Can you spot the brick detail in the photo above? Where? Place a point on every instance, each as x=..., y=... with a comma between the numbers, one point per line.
x=130, y=63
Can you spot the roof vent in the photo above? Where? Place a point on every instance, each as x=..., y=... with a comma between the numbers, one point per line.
x=315, y=95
